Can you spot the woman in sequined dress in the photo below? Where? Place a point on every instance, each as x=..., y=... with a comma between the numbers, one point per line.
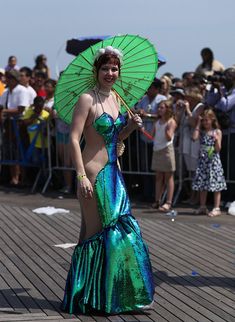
x=110, y=268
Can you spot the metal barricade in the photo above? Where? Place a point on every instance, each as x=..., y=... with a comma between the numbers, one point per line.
x=18, y=149
x=136, y=160
x=60, y=159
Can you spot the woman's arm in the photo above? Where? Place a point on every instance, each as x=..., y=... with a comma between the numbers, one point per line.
x=196, y=131
x=170, y=129
x=218, y=140
x=192, y=120
x=80, y=115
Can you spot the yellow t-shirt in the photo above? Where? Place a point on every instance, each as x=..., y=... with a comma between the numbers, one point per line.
x=33, y=128
x=2, y=88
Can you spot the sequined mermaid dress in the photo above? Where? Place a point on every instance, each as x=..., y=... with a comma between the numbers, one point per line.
x=111, y=271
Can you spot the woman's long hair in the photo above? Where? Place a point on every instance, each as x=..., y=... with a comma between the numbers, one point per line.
x=211, y=115
x=169, y=108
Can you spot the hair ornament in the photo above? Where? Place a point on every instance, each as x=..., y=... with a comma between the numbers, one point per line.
x=108, y=50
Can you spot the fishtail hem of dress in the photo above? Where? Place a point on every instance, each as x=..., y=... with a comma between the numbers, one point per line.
x=119, y=282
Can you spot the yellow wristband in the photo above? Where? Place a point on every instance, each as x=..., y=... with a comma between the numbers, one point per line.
x=80, y=176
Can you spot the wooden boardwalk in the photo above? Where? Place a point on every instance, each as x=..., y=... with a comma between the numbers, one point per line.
x=193, y=260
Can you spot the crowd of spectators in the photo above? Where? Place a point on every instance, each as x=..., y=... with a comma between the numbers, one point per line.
x=29, y=93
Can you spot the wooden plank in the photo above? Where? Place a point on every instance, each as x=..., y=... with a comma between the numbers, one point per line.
x=100, y=318
x=177, y=292
x=26, y=317
x=13, y=283
x=200, y=234
x=25, y=264
x=11, y=297
x=199, y=249
x=115, y=318
x=210, y=310
x=167, y=310
x=31, y=261
x=202, y=264
x=30, y=318
x=47, y=231
x=195, y=286
x=169, y=254
x=4, y=305
x=28, y=238
x=128, y=317
x=219, y=230
x=227, y=316
x=24, y=282
x=57, y=232
x=214, y=248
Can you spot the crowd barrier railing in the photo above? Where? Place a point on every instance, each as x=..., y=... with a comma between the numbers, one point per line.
x=136, y=159
x=18, y=149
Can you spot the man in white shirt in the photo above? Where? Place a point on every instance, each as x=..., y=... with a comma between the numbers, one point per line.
x=15, y=98
x=25, y=76
x=12, y=104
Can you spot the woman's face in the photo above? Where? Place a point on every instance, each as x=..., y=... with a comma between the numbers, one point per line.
x=108, y=74
x=49, y=88
x=161, y=109
x=165, y=86
x=207, y=123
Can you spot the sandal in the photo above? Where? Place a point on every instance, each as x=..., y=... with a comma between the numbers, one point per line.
x=155, y=205
x=201, y=211
x=214, y=212
x=166, y=207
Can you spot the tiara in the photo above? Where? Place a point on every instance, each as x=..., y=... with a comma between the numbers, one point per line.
x=108, y=50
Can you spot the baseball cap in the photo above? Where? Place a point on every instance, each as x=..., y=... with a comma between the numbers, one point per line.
x=178, y=90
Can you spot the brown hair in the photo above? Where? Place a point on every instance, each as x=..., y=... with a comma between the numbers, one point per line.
x=194, y=92
x=211, y=115
x=105, y=59
x=169, y=108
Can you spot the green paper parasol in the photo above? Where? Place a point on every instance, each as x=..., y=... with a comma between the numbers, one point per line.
x=138, y=70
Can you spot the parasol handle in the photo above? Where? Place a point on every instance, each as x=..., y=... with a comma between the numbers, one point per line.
x=144, y=132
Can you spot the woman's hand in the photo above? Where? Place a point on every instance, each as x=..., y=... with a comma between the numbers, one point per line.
x=84, y=188
x=135, y=121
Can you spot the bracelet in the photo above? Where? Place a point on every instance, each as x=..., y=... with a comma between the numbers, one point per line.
x=80, y=176
x=196, y=129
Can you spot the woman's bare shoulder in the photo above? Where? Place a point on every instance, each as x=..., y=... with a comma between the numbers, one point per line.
x=86, y=97
x=86, y=100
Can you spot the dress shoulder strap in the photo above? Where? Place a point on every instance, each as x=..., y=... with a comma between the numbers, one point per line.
x=97, y=98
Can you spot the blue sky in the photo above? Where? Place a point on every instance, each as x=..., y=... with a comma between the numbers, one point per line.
x=178, y=29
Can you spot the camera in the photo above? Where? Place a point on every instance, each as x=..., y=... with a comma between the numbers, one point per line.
x=218, y=77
